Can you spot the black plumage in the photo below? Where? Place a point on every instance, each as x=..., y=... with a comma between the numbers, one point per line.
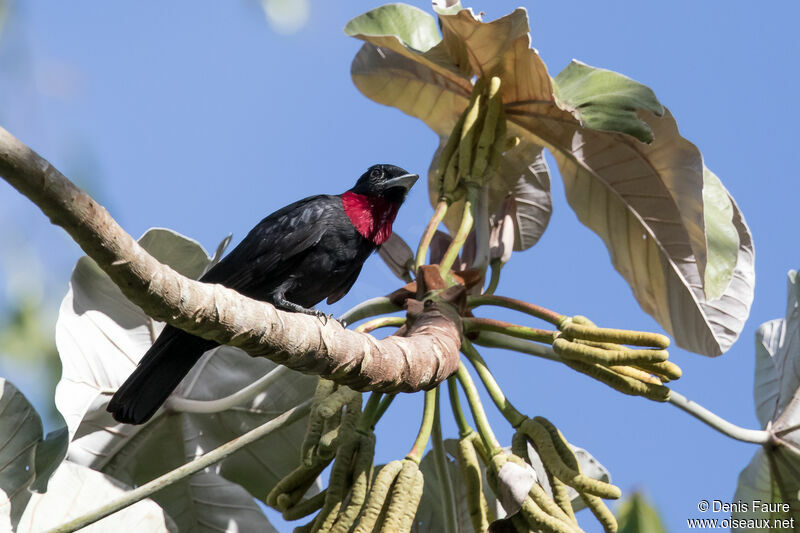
x=294, y=258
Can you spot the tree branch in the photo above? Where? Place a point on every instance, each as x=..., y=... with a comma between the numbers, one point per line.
x=425, y=353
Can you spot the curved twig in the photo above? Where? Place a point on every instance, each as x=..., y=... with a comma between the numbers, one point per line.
x=424, y=356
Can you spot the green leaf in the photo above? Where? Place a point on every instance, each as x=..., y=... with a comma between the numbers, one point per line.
x=636, y=515
x=721, y=236
x=412, y=26
x=20, y=432
x=76, y=490
x=607, y=100
x=50, y=453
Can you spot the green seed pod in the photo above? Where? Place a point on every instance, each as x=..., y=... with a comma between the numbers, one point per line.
x=338, y=484
x=519, y=446
x=539, y=520
x=561, y=496
x=636, y=373
x=471, y=474
x=541, y=440
x=547, y=504
x=666, y=370
x=324, y=389
x=400, y=496
x=362, y=474
x=480, y=449
x=302, y=476
x=450, y=180
x=596, y=505
x=601, y=512
x=623, y=384
x=377, y=497
x=590, y=354
x=499, y=146
x=415, y=495
x=450, y=146
x=467, y=134
x=617, y=336
x=488, y=130
x=334, y=402
x=305, y=507
x=326, y=448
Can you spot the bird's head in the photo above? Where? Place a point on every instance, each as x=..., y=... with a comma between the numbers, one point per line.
x=385, y=181
x=372, y=204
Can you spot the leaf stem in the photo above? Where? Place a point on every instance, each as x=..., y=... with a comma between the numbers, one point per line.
x=182, y=472
x=498, y=340
x=496, y=267
x=507, y=328
x=478, y=414
x=517, y=305
x=384, y=405
x=461, y=235
x=455, y=405
x=381, y=322
x=756, y=436
x=430, y=230
x=368, y=415
x=514, y=417
x=425, y=427
x=186, y=405
x=447, y=495
x=372, y=307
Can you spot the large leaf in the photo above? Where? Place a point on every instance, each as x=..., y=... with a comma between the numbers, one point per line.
x=76, y=490
x=773, y=475
x=101, y=336
x=672, y=230
x=636, y=515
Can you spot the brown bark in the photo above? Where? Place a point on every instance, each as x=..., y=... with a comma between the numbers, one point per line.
x=425, y=354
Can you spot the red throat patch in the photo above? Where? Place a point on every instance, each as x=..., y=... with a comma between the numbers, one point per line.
x=371, y=215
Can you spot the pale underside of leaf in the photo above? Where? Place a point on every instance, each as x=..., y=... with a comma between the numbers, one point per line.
x=774, y=472
x=101, y=336
x=435, y=96
x=777, y=377
x=76, y=490
x=616, y=190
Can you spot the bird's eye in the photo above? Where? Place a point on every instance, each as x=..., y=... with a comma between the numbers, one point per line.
x=376, y=173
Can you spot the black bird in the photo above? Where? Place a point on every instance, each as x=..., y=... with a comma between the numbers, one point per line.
x=293, y=259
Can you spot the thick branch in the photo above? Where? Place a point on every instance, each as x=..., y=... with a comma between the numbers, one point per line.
x=424, y=356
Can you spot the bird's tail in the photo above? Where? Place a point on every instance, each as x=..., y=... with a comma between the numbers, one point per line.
x=161, y=369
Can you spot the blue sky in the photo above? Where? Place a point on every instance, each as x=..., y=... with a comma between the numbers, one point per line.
x=199, y=117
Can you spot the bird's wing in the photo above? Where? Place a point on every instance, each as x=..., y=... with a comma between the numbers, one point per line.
x=272, y=248
x=344, y=288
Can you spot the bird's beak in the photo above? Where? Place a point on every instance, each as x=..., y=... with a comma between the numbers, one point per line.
x=406, y=181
